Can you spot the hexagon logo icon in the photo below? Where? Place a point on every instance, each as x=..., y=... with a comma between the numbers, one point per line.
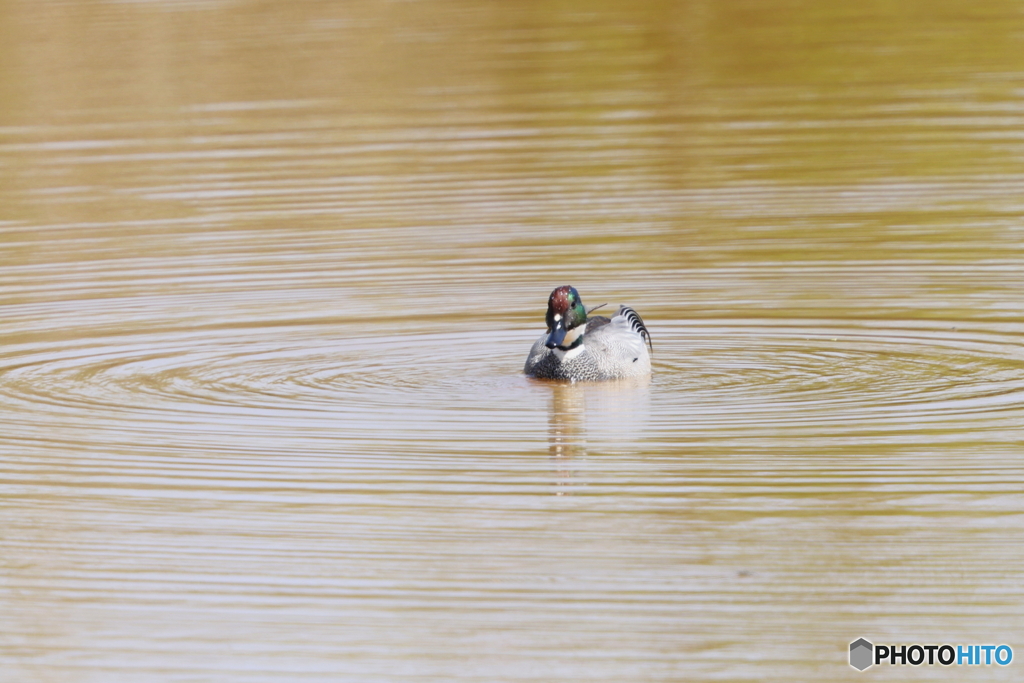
x=861, y=654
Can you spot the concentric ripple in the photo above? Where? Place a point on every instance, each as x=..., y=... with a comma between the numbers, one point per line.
x=736, y=375
x=825, y=371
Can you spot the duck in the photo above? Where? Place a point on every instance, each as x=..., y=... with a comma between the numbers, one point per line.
x=578, y=348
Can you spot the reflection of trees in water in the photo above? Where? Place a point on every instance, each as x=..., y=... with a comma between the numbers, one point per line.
x=612, y=415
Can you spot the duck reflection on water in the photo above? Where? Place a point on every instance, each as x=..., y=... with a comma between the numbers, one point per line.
x=599, y=418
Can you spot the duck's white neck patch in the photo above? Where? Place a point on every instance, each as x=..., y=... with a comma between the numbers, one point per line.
x=567, y=355
x=575, y=333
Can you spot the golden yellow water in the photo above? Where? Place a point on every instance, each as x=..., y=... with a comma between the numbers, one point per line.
x=269, y=273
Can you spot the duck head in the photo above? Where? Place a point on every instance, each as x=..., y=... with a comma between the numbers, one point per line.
x=566, y=319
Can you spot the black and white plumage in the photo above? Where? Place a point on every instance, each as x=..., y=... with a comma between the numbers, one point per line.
x=581, y=348
x=636, y=323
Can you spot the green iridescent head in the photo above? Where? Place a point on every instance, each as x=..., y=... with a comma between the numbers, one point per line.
x=566, y=314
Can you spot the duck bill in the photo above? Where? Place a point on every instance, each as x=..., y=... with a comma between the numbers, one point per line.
x=557, y=335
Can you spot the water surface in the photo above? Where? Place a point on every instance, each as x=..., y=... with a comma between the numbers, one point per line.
x=269, y=274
